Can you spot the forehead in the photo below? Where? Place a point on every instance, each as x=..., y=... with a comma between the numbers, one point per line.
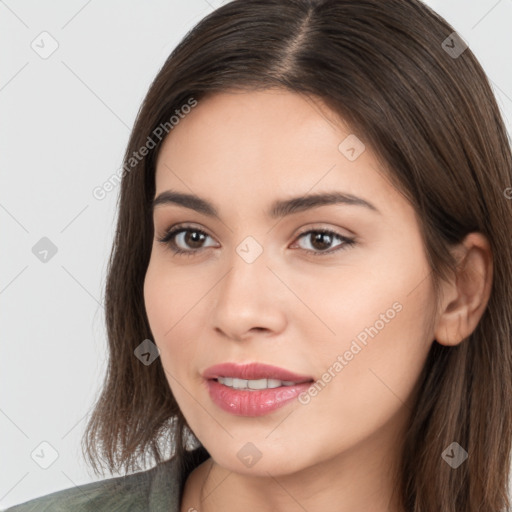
x=282, y=123
x=253, y=147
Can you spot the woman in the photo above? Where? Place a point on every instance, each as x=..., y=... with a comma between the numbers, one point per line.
x=308, y=299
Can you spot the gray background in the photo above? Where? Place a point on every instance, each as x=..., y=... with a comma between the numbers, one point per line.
x=65, y=124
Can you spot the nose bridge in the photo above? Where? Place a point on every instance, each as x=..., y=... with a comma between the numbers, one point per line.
x=250, y=249
x=248, y=264
x=246, y=297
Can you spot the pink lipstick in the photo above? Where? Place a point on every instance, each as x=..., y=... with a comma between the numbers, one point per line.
x=253, y=389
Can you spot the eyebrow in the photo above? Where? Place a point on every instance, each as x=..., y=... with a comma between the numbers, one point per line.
x=280, y=208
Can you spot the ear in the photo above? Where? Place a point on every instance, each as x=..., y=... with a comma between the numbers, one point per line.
x=465, y=297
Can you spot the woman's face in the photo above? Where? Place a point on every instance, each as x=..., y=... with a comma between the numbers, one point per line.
x=259, y=284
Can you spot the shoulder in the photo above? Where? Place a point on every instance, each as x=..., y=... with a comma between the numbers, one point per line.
x=130, y=493
x=157, y=489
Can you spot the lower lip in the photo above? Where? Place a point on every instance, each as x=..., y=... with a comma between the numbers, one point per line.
x=253, y=403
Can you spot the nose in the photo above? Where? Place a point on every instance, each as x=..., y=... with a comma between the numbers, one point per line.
x=249, y=300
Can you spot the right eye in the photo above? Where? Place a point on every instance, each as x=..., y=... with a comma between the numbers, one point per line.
x=178, y=235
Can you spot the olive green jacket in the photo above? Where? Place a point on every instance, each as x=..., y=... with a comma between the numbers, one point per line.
x=158, y=489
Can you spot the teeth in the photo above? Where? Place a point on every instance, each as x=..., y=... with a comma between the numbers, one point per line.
x=257, y=384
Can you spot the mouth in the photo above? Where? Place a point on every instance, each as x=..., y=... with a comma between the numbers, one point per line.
x=254, y=384
x=253, y=389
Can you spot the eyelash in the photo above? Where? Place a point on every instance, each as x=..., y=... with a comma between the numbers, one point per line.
x=168, y=240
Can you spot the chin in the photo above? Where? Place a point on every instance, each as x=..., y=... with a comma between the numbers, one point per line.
x=258, y=458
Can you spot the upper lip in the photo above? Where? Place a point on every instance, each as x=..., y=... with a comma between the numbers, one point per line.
x=253, y=371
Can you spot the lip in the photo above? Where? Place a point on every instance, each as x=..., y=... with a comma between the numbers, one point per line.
x=253, y=371
x=253, y=402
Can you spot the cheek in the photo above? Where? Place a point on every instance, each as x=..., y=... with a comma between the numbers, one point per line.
x=377, y=313
x=172, y=301
x=380, y=349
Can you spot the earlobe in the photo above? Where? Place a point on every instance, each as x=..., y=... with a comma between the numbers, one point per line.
x=466, y=296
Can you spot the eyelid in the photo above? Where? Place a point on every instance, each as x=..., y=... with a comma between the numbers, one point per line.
x=175, y=229
x=317, y=226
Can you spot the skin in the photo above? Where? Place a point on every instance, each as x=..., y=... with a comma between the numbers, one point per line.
x=289, y=308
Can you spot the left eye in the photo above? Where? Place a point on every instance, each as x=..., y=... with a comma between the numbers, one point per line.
x=193, y=236
x=323, y=238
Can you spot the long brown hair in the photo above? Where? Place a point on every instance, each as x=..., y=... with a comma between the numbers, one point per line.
x=429, y=113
